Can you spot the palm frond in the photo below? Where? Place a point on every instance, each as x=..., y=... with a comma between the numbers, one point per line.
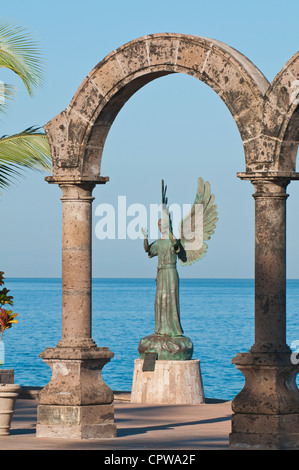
x=19, y=53
x=27, y=150
x=7, y=176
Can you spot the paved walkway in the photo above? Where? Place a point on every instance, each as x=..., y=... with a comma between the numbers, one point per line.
x=139, y=427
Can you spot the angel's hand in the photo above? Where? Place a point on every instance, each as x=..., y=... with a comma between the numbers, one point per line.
x=144, y=232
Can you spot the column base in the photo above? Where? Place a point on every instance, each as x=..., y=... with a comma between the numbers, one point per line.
x=76, y=343
x=76, y=403
x=7, y=376
x=266, y=412
x=76, y=377
x=171, y=382
x=265, y=432
x=76, y=422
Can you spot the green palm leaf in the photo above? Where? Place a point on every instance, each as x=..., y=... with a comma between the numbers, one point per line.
x=27, y=150
x=19, y=53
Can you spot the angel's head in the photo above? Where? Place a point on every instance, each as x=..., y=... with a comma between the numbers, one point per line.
x=163, y=227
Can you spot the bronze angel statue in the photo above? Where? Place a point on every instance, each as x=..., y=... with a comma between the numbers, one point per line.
x=195, y=229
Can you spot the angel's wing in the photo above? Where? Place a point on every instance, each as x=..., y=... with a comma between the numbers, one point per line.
x=198, y=225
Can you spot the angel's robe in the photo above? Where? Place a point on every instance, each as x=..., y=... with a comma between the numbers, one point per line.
x=167, y=307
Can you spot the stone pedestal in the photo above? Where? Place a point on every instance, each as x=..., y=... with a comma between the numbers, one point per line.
x=171, y=382
x=76, y=422
x=7, y=376
x=266, y=412
x=76, y=403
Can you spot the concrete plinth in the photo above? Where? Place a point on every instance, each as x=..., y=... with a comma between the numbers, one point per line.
x=171, y=382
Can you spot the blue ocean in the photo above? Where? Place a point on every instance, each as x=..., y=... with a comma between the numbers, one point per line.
x=216, y=314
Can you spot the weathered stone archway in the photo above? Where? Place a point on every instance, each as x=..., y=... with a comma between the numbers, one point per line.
x=78, y=134
x=267, y=118
x=281, y=112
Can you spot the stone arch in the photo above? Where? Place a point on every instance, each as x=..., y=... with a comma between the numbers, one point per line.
x=77, y=135
x=281, y=116
x=267, y=118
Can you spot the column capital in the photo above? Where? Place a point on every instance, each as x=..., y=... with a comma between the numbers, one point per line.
x=76, y=188
x=77, y=192
x=286, y=176
x=76, y=180
x=269, y=184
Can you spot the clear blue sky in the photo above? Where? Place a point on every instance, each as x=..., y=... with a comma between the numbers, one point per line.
x=175, y=128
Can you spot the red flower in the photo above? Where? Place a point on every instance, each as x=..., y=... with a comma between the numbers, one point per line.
x=7, y=318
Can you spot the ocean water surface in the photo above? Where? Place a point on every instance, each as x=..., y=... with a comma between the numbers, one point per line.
x=216, y=314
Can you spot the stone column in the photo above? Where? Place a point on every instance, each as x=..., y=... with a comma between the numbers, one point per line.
x=270, y=265
x=76, y=403
x=266, y=411
x=76, y=265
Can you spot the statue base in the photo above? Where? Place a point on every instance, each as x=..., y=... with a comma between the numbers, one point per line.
x=167, y=348
x=171, y=383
